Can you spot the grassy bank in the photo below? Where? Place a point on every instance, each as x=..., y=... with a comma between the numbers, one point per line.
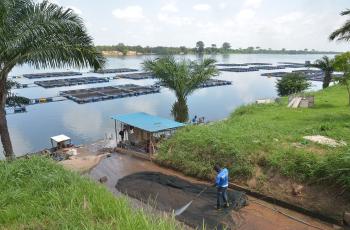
x=269, y=138
x=38, y=194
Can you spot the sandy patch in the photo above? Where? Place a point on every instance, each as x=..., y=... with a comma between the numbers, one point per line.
x=325, y=141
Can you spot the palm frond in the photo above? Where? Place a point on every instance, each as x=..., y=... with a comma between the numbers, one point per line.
x=183, y=77
x=343, y=33
x=345, y=12
x=46, y=35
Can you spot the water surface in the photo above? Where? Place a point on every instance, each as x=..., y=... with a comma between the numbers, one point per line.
x=86, y=123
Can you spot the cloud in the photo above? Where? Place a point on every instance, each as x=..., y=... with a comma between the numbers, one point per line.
x=245, y=14
x=75, y=9
x=290, y=17
x=130, y=13
x=174, y=20
x=202, y=7
x=223, y=5
x=170, y=7
x=252, y=3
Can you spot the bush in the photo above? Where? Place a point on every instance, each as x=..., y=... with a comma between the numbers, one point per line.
x=292, y=83
x=17, y=100
x=37, y=193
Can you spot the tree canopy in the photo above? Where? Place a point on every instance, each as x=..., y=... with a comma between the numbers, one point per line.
x=42, y=35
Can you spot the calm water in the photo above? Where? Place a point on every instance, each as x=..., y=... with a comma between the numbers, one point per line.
x=86, y=123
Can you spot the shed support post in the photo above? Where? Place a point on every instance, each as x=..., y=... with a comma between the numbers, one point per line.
x=116, y=134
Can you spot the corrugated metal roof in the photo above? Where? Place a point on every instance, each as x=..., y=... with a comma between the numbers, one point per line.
x=60, y=138
x=147, y=122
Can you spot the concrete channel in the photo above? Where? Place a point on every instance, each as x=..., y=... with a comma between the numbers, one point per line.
x=257, y=215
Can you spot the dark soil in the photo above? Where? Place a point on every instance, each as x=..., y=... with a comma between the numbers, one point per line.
x=168, y=193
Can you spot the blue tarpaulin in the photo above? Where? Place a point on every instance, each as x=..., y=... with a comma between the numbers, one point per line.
x=147, y=122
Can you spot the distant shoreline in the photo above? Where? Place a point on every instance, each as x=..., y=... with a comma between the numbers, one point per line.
x=133, y=54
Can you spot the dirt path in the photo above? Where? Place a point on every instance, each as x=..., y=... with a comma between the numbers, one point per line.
x=258, y=215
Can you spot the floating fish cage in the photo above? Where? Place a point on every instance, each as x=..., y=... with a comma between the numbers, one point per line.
x=20, y=109
x=312, y=75
x=49, y=75
x=231, y=65
x=269, y=67
x=292, y=66
x=275, y=74
x=120, y=70
x=257, y=63
x=214, y=82
x=243, y=64
x=136, y=76
x=239, y=70
x=107, y=93
x=70, y=82
x=293, y=63
x=209, y=83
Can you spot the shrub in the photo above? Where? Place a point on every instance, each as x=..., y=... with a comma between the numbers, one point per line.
x=292, y=83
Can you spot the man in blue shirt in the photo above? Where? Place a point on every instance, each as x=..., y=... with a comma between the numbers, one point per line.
x=221, y=183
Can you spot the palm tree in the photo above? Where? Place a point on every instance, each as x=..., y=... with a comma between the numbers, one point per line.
x=200, y=47
x=42, y=35
x=343, y=33
x=183, y=77
x=327, y=66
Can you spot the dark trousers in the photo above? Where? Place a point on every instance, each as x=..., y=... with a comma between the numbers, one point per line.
x=221, y=195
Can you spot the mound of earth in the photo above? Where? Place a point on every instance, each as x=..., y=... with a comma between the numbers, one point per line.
x=168, y=193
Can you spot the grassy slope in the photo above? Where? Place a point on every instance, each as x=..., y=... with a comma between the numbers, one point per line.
x=38, y=194
x=269, y=137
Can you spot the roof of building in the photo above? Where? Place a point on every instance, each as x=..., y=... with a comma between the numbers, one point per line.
x=147, y=122
x=60, y=138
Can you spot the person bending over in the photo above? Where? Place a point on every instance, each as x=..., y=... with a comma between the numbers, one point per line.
x=221, y=183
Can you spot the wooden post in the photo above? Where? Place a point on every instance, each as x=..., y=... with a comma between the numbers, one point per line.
x=116, y=134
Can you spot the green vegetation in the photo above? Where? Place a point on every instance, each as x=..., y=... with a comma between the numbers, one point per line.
x=327, y=66
x=212, y=49
x=42, y=35
x=183, y=77
x=342, y=63
x=343, y=33
x=36, y=193
x=200, y=47
x=11, y=98
x=292, y=83
x=269, y=137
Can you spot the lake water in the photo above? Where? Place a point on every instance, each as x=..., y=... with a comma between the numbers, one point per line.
x=86, y=123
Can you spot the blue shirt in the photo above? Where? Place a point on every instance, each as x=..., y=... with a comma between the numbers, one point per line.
x=222, y=179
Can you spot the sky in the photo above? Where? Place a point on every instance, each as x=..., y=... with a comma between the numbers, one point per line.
x=276, y=24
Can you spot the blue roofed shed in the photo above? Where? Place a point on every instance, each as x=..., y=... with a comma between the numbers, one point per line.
x=139, y=133
x=147, y=122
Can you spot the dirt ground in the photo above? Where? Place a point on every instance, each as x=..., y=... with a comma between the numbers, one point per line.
x=257, y=215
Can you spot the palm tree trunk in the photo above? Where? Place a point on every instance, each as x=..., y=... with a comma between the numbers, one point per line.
x=327, y=79
x=180, y=110
x=348, y=88
x=4, y=132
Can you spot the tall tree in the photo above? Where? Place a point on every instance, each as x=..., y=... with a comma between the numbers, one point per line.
x=200, y=47
x=342, y=64
x=327, y=66
x=214, y=48
x=42, y=35
x=226, y=46
x=343, y=33
x=183, y=77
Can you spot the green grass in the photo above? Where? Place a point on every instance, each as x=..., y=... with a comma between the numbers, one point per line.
x=269, y=137
x=36, y=193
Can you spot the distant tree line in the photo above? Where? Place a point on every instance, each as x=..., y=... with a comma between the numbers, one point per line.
x=200, y=48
